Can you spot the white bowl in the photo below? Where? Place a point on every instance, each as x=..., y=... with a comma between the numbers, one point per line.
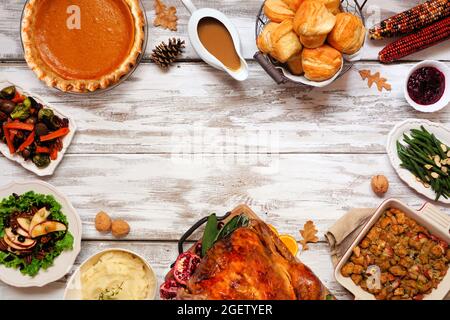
x=73, y=289
x=445, y=99
x=440, y=131
x=64, y=262
x=29, y=165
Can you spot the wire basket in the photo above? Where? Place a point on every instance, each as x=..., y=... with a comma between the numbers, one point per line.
x=273, y=67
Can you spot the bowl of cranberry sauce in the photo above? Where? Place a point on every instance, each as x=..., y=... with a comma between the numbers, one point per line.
x=427, y=87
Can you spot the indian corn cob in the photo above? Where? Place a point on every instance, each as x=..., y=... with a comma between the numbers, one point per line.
x=420, y=40
x=411, y=20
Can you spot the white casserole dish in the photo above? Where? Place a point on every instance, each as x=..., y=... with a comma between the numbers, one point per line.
x=428, y=216
x=29, y=165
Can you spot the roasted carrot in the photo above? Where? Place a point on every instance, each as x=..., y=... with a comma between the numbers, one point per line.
x=27, y=142
x=53, y=153
x=20, y=126
x=58, y=133
x=40, y=149
x=8, y=140
x=18, y=98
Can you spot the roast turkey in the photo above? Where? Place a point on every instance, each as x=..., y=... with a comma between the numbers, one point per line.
x=252, y=264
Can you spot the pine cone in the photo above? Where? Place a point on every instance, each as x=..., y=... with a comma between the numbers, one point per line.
x=165, y=54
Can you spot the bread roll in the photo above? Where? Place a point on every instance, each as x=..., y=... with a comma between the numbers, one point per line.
x=313, y=41
x=313, y=19
x=295, y=64
x=332, y=5
x=321, y=63
x=293, y=4
x=285, y=41
x=264, y=41
x=277, y=10
x=348, y=33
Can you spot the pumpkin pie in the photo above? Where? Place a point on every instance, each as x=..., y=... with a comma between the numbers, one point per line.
x=83, y=45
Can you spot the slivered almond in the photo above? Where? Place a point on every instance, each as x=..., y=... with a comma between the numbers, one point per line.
x=437, y=160
x=428, y=166
x=435, y=175
x=443, y=147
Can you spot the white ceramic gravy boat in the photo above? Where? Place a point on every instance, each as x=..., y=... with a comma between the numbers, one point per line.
x=196, y=15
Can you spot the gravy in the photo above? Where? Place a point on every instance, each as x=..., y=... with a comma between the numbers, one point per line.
x=216, y=38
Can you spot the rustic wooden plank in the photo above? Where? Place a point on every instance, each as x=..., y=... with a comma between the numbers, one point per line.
x=160, y=255
x=163, y=195
x=163, y=113
x=243, y=16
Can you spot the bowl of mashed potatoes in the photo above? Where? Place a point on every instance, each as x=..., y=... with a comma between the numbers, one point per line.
x=113, y=274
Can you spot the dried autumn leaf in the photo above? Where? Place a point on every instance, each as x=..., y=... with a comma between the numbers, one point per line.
x=165, y=17
x=375, y=78
x=309, y=234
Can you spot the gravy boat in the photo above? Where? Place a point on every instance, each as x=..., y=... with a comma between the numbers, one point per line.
x=198, y=14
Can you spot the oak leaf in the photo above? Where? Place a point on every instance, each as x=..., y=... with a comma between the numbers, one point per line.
x=375, y=78
x=309, y=235
x=166, y=17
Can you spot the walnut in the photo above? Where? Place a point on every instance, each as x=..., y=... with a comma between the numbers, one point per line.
x=102, y=222
x=380, y=185
x=120, y=228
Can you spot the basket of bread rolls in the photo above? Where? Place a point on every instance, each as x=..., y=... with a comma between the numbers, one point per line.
x=309, y=42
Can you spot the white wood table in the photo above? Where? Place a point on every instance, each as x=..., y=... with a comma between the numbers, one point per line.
x=167, y=148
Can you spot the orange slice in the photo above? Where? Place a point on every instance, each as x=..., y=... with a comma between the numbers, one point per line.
x=290, y=243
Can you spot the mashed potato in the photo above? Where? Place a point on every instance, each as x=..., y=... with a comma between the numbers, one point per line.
x=116, y=275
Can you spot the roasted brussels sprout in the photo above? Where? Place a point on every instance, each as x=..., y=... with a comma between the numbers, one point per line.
x=34, y=103
x=7, y=106
x=27, y=103
x=8, y=92
x=41, y=160
x=21, y=112
x=46, y=115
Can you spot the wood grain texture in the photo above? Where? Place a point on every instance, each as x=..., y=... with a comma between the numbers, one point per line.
x=160, y=255
x=161, y=196
x=243, y=16
x=163, y=113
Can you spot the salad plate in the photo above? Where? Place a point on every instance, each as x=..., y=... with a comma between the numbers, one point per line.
x=44, y=266
x=441, y=132
x=29, y=165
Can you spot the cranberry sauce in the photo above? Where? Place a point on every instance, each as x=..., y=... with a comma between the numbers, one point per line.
x=426, y=85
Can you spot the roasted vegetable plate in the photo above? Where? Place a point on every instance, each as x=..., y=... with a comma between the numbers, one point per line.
x=32, y=133
x=240, y=258
x=35, y=230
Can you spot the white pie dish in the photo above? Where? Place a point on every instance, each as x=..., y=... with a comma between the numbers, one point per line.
x=64, y=262
x=73, y=289
x=29, y=165
x=396, y=134
x=428, y=216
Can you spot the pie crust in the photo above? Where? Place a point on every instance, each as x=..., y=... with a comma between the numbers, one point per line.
x=52, y=78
